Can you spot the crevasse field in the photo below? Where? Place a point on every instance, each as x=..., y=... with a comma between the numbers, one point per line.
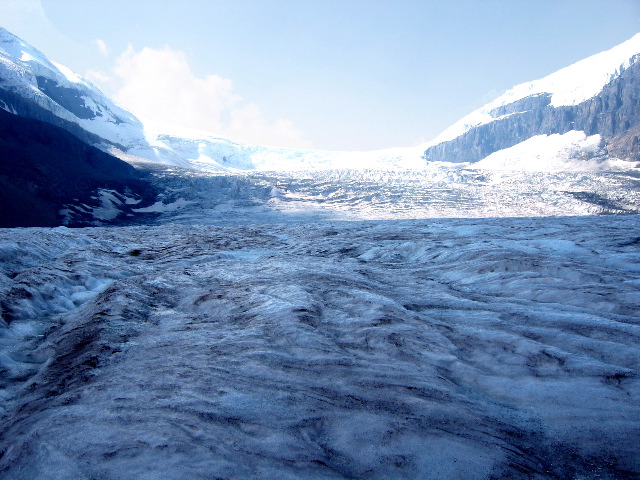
x=330, y=325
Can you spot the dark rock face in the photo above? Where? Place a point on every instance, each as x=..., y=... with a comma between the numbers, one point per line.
x=614, y=113
x=43, y=168
x=68, y=98
x=626, y=145
x=30, y=109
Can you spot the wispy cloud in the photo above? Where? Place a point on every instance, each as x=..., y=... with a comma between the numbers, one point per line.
x=102, y=46
x=99, y=78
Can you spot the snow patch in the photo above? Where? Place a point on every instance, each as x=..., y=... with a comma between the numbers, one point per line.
x=160, y=207
x=109, y=206
x=572, y=151
x=8, y=108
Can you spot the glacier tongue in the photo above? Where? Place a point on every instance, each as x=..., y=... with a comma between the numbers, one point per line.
x=436, y=191
x=502, y=348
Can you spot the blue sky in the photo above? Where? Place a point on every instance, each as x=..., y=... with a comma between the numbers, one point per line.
x=333, y=74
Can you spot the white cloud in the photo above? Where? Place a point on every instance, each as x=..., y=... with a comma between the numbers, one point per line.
x=159, y=84
x=104, y=49
x=248, y=121
x=98, y=77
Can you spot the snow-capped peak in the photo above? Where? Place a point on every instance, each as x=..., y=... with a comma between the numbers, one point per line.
x=16, y=51
x=13, y=47
x=27, y=73
x=571, y=85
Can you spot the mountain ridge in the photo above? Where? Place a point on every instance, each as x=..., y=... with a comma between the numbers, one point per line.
x=34, y=87
x=543, y=108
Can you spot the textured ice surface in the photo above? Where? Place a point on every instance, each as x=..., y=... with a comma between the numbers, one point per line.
x=435, y=191
x=415, y=349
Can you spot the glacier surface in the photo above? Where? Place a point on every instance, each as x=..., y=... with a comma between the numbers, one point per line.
x=424, y=349
x=329, y=315
x=434, y=191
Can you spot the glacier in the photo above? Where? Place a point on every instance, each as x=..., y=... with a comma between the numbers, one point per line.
x=287, y=313
x=426, y=349
x=435, y=191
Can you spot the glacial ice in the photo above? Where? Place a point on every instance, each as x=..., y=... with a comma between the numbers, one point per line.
x=434, y=348
x=251, y=331
x=436, y=191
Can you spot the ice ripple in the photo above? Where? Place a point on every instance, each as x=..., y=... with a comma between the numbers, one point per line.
x=495, y=348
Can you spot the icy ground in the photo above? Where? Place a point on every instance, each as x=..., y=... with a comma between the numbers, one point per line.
x=435, y=191
x=405, y=349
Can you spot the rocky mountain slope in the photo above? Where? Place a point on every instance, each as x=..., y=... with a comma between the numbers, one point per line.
x=32, y=86
x=49, y=177
x=597, y=96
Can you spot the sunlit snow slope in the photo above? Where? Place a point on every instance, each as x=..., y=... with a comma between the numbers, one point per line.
x=598, y=97
x=571, y=85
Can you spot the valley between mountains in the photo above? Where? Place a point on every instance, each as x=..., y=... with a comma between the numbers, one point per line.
x=175, y=305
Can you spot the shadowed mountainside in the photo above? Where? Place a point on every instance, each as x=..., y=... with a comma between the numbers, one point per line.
x=43, y=167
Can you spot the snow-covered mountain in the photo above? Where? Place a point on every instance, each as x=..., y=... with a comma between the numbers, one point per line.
x=596, y=97
x=208, y=152
x=33, y=86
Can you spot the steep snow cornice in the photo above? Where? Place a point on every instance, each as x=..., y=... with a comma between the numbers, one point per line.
x=568, y=86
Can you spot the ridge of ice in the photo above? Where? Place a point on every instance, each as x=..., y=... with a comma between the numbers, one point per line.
x=209, y=152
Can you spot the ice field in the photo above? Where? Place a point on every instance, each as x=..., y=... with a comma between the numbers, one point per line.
x=415, y=349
